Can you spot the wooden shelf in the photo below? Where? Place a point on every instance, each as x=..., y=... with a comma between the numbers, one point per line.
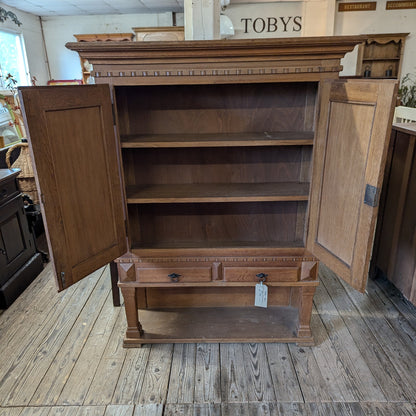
x=381, y=59
x=218, y=192
x=380, y=53
x=288, y=138
x=215, y=248
x=234, y=324
x=380, y=77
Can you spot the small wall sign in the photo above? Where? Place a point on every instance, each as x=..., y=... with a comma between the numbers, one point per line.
x=357, y=6
x=395, y=5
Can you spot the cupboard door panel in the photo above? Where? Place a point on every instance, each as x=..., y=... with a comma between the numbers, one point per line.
x=350, y=152
x=74, y=147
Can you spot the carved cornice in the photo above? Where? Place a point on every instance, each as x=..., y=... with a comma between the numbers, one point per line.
x=217, y=72
x=384, y=38
x=302, y=47
x=236, y=60
x=132, y=62
x=296, y=259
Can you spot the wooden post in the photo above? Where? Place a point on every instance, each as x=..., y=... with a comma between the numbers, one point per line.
x=202, y=19
x=114, y=288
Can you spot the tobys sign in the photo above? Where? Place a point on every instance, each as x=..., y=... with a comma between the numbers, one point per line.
x=266, y=20
x=272, y=24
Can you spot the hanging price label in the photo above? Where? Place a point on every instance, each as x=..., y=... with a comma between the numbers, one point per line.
x=261, y=295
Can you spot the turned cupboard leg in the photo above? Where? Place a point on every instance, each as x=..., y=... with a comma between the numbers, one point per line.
x=302, y=298
x=305, y=311
x=134, y=329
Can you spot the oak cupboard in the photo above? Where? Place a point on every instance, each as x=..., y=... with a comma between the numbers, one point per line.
x=205, y=168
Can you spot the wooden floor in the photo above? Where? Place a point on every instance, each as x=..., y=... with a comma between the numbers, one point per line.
x=61, y=354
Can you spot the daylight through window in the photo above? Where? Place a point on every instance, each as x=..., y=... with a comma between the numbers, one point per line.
x=13, y=58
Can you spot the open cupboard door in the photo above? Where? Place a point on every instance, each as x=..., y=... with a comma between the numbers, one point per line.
x=352, y=137
x=75, y=154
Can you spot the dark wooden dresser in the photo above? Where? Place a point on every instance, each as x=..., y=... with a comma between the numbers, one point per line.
x=19, y=262
x=395, y=245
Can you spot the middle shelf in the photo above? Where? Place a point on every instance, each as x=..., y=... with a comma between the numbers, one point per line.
x=217, y=192
x=265, y=138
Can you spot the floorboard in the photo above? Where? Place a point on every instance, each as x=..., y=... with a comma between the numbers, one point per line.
x=79, y=380
x=119, y=410
x=394, y=386
x=285, y=381
x=338, y=384
x=397, y=299
x=402, y=355
x=207, y=374
x=182, y=375
x=192, y=409
x=259, y=380
x=149, y=410
x=108, y=371
x=233, y=377
x=65, y=358
x=34, y=360
x=403, y=328
x=156, y=378
x=11, y=411
x=360, y=376
x=130, y=380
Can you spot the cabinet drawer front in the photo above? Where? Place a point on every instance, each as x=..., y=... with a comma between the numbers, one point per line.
x=8, y=189
x=249, y=274
x=173, y=274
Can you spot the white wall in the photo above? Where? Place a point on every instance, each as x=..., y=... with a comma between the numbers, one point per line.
x=319, y=18
x=379, y=21
x=32, y=34
x=58, y=30
x=267, y=20
x=284, y=18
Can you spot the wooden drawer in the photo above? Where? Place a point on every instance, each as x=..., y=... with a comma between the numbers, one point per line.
x=8, y=190
x=273, y=274
x=173, y=274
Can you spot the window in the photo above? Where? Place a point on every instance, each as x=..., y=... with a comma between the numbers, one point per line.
x=12, y=61
x=13, y=58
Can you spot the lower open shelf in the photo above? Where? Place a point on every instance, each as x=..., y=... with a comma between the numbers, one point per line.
x=219, y=324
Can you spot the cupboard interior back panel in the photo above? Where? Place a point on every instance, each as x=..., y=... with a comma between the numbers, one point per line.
x=217, y=165
x=260, y=224
x=223, y=108
x=213, y=297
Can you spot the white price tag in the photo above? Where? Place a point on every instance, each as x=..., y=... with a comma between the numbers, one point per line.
x=261, y=295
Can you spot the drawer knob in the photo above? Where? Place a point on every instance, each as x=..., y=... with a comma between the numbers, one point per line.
x=174, y=277
x=3, y=193
x=262, y=277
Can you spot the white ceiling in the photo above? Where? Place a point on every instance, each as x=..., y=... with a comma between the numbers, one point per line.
x=85, y=7
x=82, y=7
